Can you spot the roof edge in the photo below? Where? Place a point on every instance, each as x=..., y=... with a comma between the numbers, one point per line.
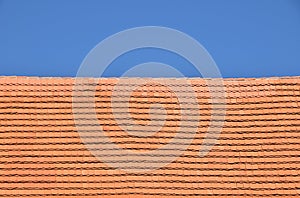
x=170, y=78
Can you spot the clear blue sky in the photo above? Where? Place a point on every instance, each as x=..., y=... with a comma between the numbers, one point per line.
x=246, y=38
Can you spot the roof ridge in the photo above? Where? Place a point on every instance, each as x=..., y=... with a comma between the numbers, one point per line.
x=169, y=78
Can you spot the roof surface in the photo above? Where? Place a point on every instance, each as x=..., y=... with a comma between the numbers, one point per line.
x=42, y=152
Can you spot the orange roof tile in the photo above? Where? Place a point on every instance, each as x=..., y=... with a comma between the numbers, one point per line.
x=42, y=152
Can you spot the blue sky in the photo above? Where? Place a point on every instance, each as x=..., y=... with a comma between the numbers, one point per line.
x=246, y=38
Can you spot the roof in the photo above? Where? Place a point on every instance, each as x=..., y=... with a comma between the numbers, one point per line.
x=43, y=152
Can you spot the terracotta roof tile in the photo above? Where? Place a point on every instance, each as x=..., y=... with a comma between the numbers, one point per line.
x=43, y=154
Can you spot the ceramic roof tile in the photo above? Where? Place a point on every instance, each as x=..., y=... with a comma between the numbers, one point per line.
x=42, y=152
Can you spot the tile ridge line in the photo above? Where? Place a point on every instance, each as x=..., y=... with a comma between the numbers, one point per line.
x=160, y=78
